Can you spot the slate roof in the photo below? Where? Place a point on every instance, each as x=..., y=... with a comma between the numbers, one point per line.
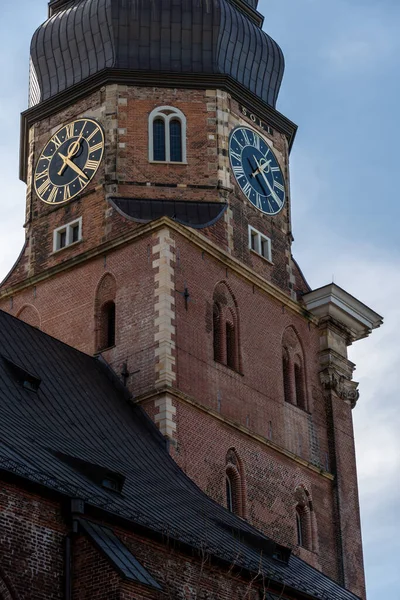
x=197, y=215
x=79, y=411
x=202, y=37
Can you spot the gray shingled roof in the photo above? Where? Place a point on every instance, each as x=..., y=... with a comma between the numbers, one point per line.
x=80, y=412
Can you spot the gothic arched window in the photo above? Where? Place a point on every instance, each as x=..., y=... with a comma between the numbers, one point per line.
x=226, y=327
x=167, y=135
x=293, y=370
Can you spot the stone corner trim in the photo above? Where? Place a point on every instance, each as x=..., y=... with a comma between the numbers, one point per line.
x=164, y=307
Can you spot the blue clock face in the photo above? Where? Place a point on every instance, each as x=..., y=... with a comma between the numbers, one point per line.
x=257, y=170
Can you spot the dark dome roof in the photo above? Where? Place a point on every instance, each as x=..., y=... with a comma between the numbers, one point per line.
x=206, y=37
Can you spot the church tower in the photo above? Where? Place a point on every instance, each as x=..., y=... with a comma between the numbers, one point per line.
x=158, y=235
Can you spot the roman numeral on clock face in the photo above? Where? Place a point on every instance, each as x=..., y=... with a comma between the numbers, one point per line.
x=247, y=189
x=70, y=128
x=279, y=186
x=44, y=187
x=238, y=170
x=91, y=165
x=53, y=195
x=236, y=155
x=98, y=146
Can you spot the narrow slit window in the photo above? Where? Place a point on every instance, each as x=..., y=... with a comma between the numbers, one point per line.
x=299, y=385
x=62, y=239
x=107, y=325
x=230, y=345
x=159, y=139
x=299, y=525
x=75, y=233
x=229, y=494
x=175, y=136
x=286, y=377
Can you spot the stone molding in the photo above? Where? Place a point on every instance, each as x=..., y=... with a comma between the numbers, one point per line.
x=164, y=307
x=346, y=389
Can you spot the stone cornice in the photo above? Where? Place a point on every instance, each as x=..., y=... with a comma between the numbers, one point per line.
x=180, y=396
x=196, y=238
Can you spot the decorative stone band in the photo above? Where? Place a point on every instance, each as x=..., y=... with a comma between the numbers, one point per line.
x=344, y=388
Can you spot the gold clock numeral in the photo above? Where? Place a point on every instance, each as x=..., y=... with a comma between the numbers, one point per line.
x=44, y=187
x=83, y=182
x=98, y=146
x=57, y=142
x=91, y=136
x=91, y=164
x=70, y=129
x=53, y=195
x=67, y=193
x=39, y=176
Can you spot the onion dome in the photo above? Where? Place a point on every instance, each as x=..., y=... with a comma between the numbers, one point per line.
x=196, y=39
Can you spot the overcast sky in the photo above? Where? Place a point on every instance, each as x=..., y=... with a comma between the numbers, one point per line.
x=342, y=88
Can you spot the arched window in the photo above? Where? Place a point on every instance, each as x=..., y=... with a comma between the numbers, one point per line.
x=226, y=328
x=167, y=135
x=293, y=370
x=105, y=313
x=235, y=484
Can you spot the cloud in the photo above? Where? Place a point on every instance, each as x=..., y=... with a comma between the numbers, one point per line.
x=364, y=44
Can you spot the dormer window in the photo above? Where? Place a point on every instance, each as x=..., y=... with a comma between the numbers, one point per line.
x=67, y=235
x=167, y=135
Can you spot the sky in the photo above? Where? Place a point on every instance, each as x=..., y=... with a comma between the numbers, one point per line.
x=341, y=87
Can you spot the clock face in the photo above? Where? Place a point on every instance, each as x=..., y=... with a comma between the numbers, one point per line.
x=69, y=161
x=257, y=170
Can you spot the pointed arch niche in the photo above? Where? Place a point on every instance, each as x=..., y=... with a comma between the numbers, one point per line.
x=226, y=333
x=105, y=312
x=235, y=484
x=306, y=522
x=29, y=314
x=293, y=369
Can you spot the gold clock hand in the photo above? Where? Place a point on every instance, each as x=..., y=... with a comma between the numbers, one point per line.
x=261, y=167
x=73, y=149
x=73, y=166
x=272, y=191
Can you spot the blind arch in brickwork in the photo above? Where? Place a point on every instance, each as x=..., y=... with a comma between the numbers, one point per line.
x=306, y=523
x=30, y=314
x=235, y=483
x=294, y=369
x=226, y=327
x=105, y=312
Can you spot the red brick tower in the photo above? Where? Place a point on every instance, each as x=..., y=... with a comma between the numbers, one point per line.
x=158, y=234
